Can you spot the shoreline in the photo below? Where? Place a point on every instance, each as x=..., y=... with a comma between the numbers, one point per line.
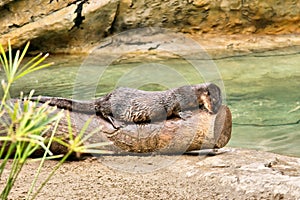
x=225, y=46
x=244, y=45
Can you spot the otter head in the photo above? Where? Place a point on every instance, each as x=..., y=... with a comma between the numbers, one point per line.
x=209, y=95
x=214, y=93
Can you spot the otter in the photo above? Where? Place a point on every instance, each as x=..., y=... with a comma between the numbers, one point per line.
x=136, y=106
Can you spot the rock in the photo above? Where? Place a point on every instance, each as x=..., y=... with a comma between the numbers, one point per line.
x=3, y=2
x=50, y=26
x=58, y=27
x=200, y=3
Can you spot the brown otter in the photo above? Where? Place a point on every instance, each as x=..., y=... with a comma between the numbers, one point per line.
x=132, y=105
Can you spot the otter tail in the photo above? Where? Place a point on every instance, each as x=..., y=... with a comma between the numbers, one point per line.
x=67, y=104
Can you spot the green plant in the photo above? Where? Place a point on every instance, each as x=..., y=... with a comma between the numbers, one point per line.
x=25, y=133
x=25, y=125
x=14, y=70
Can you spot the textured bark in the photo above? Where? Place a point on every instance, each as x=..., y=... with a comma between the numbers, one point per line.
x=200, y=131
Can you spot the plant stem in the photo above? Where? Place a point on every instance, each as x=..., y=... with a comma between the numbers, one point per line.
x=8, y=154
x=5, y=96
x=43, y=160
x=52, y=173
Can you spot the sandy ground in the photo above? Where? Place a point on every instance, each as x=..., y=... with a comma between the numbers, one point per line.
x=234, y=174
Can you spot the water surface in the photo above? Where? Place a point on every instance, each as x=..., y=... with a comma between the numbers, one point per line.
x=261, y=91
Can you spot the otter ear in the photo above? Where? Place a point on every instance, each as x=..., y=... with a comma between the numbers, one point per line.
x=203, y=91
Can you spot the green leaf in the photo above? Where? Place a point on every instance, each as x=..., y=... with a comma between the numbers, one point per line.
x=23, y=53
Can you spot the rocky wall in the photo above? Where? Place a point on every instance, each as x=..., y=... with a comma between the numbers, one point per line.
x=76, y=25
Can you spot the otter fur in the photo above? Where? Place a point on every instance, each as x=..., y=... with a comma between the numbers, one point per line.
x=137, y=106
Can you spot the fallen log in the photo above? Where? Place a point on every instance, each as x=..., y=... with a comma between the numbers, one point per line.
x=202, y=130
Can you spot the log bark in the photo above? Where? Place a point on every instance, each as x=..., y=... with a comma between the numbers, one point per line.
x=172, y=136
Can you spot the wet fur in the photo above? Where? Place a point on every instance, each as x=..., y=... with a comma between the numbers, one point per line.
x=137, y=106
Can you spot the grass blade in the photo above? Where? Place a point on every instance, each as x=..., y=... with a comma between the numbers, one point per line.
x=14, y=67
x=42, y=160
x=9, y=55
x=23, y=53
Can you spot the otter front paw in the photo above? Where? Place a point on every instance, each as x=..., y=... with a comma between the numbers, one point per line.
x=115, y=123
x=185, y=114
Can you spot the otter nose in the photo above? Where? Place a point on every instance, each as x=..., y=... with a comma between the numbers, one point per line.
x=215, y=96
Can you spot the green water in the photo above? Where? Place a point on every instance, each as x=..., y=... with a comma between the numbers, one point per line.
x=261, y=92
